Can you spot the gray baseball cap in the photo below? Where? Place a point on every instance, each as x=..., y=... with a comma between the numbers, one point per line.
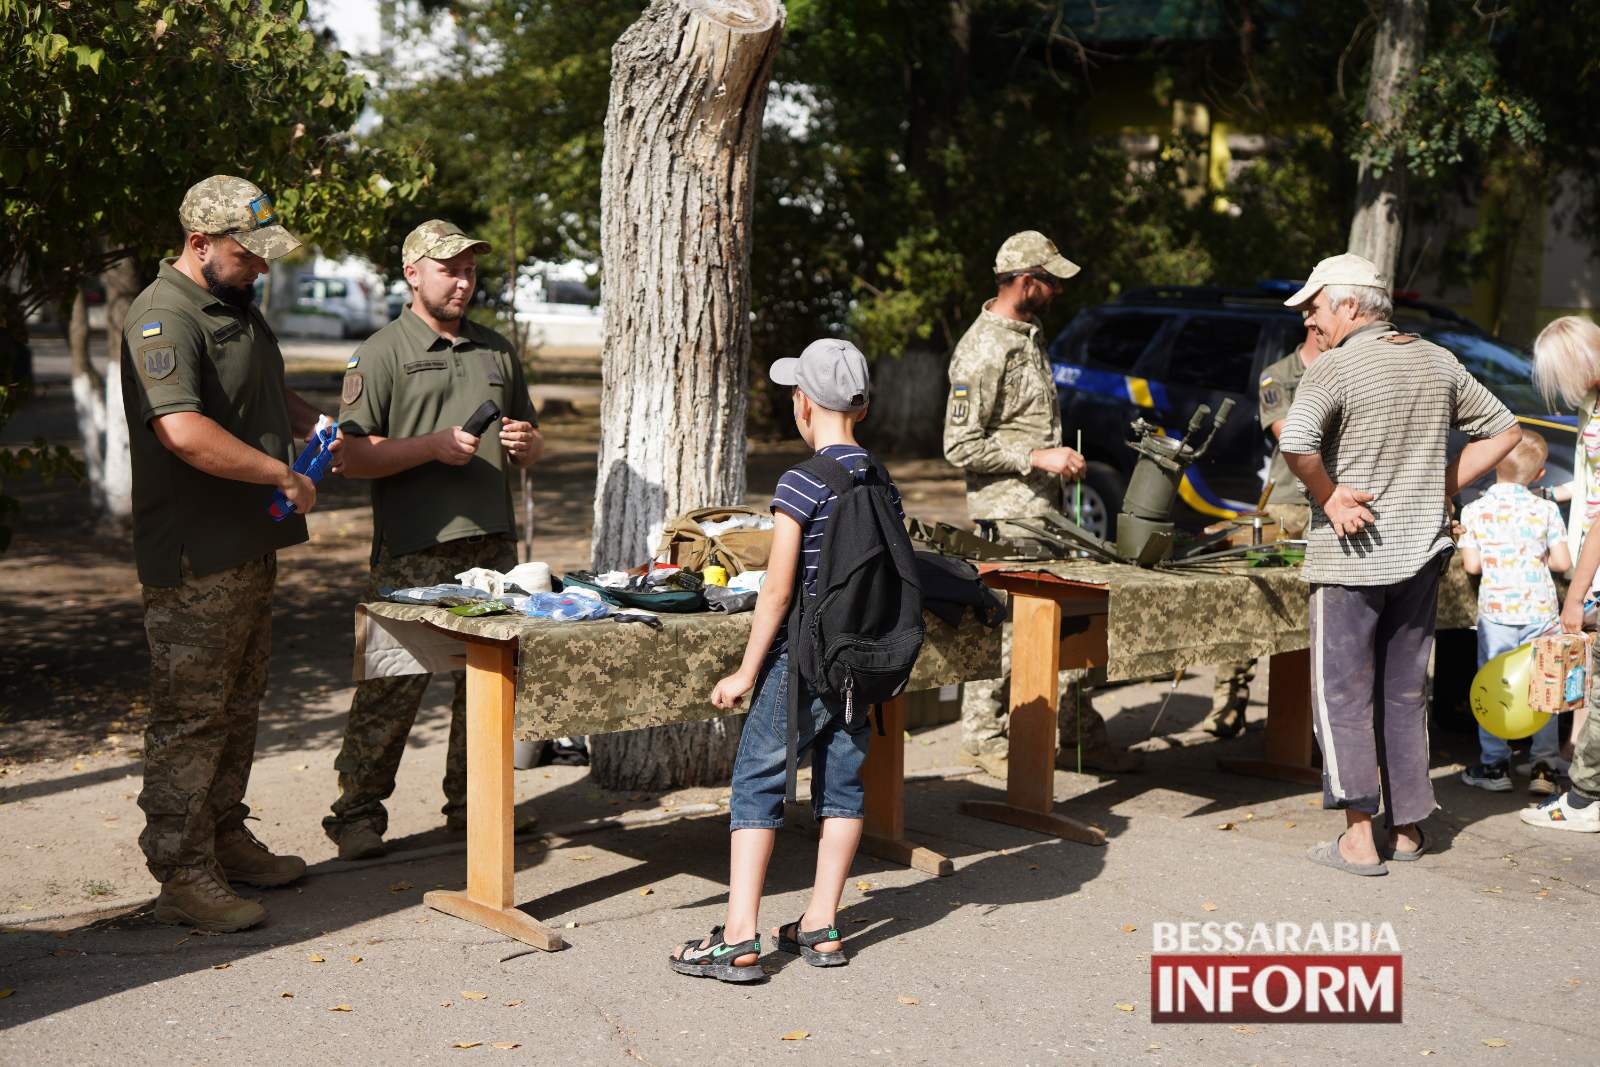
x=831, y=371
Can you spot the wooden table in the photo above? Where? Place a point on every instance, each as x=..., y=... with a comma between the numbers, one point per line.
x=491, y=660
x=1060, y=622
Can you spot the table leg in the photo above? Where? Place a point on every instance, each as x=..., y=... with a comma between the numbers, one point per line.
x=491, y=865
x=1035, y=677
x=883, y=775
x=1290, y=743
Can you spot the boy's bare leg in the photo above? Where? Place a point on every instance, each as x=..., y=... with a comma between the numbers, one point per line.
x=835, y=852
x=749, y=853
x=1357, y=844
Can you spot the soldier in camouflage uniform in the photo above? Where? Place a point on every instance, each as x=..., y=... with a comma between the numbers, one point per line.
x=211, y=431
x=1003, y=428
x=1285, y=502
x=441, y=500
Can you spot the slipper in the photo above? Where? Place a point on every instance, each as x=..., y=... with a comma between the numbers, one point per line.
x=1407, y=857
x=1328, y=855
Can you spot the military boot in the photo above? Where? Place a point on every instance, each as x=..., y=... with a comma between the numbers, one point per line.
x=201, y=897
x=993, y=760
x=246, y=860
x=1099, y=754
x=360, y=842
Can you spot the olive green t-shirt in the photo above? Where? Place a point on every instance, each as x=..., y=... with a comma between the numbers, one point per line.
x=185, y=350
x=1278, y=383
x=406, y=381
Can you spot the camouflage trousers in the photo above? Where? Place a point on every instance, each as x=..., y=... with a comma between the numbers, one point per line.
x=1232, y=688
x=384, y=709
x=209, y=638
x=1585, y=770
x=986, y=705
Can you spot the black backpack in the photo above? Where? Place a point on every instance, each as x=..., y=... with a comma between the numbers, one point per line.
x=856, y=638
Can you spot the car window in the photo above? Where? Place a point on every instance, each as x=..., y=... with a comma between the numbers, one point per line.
x=1118, y=341
x=308, y=289
x=337, y=288
x=1507, y=373
x=1215, y=352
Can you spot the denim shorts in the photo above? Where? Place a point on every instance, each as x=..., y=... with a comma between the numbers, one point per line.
x=836, y=754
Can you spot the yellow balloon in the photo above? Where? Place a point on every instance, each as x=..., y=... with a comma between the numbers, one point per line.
x=1499, y=696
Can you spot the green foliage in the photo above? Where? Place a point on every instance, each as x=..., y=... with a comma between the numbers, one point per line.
x=512, y=114
x=1455, y=103
x=110, y=111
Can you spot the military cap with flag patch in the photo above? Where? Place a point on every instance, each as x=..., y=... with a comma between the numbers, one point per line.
x=438, y=239
x=225, y=206
x=1032, y=250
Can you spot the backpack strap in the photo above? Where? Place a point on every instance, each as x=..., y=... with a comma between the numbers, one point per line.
x=830, y=472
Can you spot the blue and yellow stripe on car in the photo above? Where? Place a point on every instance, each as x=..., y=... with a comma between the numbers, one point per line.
x=1141, y=392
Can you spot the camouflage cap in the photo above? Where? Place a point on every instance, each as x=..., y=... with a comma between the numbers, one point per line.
x=438, y=239
x=1032, y=250
x=223, y=205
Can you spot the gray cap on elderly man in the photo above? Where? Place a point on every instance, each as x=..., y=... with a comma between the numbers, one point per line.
x=1346, y=269
x=831, y=371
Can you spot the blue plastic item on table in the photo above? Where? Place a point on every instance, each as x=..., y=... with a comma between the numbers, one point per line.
x=565, y=607
x=312, y=462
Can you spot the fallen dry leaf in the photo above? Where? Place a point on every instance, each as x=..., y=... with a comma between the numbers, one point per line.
x=355, y=959
x=1495, y=1042
x=1124, y=1007
x=863, y=885
x=572, y=926
x=1410, y=907
x=1208, y=906
x=1245, y=1030
x=1288, y=825
x=1249, y=815
x=400, y=887
x=341, y=1007
x=514, y=1003
x=1128, y=928
x=475, y=996
x=646, y=891
x=312, y=957
x=1152, y=1047
x=795, y=1035
x=220, y=966
x=582, y=859
x=1492, y=889
x=286, y=994
x=1574, y=981
x=506, y=1044
x=1033, y=866
x=4, y=993
x=1225, y=826
x=1427, y=1052
x=466, y=1044
x=907, y=1000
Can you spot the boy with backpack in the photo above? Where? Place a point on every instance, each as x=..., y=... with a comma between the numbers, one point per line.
x=842, y=576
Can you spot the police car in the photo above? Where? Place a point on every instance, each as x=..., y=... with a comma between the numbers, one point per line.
x=1157, y=353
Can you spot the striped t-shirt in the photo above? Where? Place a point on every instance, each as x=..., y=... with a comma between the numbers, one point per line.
x=1380, y=408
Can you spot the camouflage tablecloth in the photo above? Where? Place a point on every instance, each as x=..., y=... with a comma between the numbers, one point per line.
x=596, y=677
x=1161, y=621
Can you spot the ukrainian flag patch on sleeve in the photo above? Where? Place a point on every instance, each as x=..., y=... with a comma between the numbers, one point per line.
x=150, y=329
x=354, y=362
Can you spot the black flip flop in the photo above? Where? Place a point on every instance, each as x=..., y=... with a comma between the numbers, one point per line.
x=712, y=957
x=798, y=942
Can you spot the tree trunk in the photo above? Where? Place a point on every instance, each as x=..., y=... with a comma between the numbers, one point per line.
x=1375, y=231
x=122, y=285
x=88, y=400
x=908, y=397
x=688, y=90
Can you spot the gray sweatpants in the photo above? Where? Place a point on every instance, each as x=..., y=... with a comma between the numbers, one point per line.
x=1369, y=665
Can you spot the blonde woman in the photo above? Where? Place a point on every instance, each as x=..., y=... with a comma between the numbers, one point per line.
x=1566, y=363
